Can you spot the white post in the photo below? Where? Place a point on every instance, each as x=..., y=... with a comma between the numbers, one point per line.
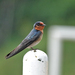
x=35, y=63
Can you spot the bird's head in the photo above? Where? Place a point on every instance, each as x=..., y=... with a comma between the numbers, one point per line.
x=39, y=25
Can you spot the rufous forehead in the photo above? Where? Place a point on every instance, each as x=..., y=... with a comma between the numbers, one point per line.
x=41, y=23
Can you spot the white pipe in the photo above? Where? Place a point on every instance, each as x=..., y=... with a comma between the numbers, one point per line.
x=35, y=63
x=56, y=35
x=54, y=52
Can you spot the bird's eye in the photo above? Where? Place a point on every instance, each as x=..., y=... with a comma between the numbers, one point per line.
x=38, y=24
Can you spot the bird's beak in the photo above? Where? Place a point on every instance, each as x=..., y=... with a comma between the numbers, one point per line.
x=44, y=25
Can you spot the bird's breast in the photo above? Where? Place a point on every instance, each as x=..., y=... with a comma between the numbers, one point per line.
x=36, y=42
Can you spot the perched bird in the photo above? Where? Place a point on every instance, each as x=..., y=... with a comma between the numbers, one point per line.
x=32, y=39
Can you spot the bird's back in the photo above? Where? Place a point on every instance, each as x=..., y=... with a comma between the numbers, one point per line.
x=31, y=37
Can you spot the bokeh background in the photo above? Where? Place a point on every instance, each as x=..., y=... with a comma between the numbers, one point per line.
x=16, y=21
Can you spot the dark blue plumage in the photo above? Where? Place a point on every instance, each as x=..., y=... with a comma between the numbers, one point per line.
x=32, y=39
x=34, y=33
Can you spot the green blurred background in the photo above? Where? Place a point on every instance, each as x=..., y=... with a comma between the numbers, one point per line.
x=16, y=21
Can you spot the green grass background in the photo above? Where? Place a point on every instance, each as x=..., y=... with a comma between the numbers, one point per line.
x=16, y=21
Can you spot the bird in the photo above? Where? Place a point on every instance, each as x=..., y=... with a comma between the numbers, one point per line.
x=32, y=39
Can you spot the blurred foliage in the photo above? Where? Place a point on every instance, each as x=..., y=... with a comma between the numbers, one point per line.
x=16, y=21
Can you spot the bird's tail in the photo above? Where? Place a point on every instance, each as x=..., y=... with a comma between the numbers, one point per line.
x=15, y=51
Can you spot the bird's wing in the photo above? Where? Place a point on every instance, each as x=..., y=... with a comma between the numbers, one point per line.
x=32, y=36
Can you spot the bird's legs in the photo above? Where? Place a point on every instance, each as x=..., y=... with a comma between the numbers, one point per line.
x=33, y=49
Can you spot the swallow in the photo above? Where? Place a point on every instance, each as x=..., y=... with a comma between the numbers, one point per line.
x=32, y=39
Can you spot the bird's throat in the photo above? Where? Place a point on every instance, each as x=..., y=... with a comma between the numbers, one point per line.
x=39, y=28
